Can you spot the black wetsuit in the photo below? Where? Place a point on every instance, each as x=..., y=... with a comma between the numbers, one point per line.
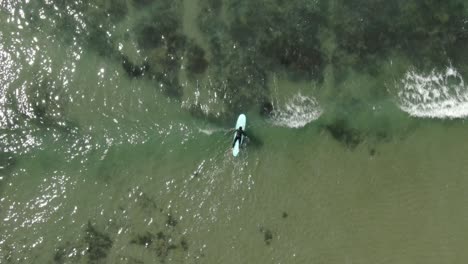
x=239, y=134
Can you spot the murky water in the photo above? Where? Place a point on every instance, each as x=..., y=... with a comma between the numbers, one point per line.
x=115, y=142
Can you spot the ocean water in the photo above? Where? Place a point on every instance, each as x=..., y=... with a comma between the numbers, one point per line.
x=115, y=120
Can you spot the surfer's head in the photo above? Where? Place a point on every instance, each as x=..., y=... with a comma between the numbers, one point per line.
x=240, y=128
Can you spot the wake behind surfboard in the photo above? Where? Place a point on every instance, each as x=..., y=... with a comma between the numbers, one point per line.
x=241, y=121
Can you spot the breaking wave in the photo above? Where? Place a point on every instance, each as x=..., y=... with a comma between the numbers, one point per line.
x=297, y=112
x=434, y=95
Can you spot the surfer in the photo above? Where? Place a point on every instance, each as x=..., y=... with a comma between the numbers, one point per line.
x=239, y=134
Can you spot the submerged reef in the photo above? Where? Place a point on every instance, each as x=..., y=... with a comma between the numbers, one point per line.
x=292, y=45
x=162, y=43
x=162, y=239
x=248, y=41
x=239, y=45
x=417, y=29
x=300, y=39
x=196, y=59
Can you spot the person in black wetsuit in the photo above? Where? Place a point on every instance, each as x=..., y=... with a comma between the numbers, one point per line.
x=239, y=134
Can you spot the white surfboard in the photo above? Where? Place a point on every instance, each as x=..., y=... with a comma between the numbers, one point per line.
x=241, y=121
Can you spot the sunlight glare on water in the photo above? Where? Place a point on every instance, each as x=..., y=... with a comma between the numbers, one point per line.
x=117, y=117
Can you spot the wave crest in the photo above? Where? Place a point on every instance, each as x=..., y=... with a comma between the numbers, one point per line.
x=297, y=112
x=434, y=95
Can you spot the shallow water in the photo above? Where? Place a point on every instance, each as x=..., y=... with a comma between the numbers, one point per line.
x=114, y=142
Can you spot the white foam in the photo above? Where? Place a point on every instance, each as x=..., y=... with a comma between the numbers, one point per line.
x=209, y=131
x=434, y=95
x=297, y=112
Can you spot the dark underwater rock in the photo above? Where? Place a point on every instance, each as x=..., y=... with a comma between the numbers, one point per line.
x=42, y=104
x=147, y=203
x=171, y=86
x=341, y=131
x=143, y=240
x=98, y=41
x=266, y=109
x=44, y=111
x=152, y=36
x=267, y=235
x=162, y=67
x=196, y=61
x=184, y=244
x=351, y=122
x=133, y=70
x=163, y=246
x=252, y=140
x=98, y=243
x=59, y=256
x=61, y=253
x=163, y=28
x=171, y=221
x=118, y=10
x=163, y=44
x=162, y=243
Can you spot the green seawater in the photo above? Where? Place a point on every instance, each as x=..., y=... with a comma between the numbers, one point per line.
x=115, y=141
